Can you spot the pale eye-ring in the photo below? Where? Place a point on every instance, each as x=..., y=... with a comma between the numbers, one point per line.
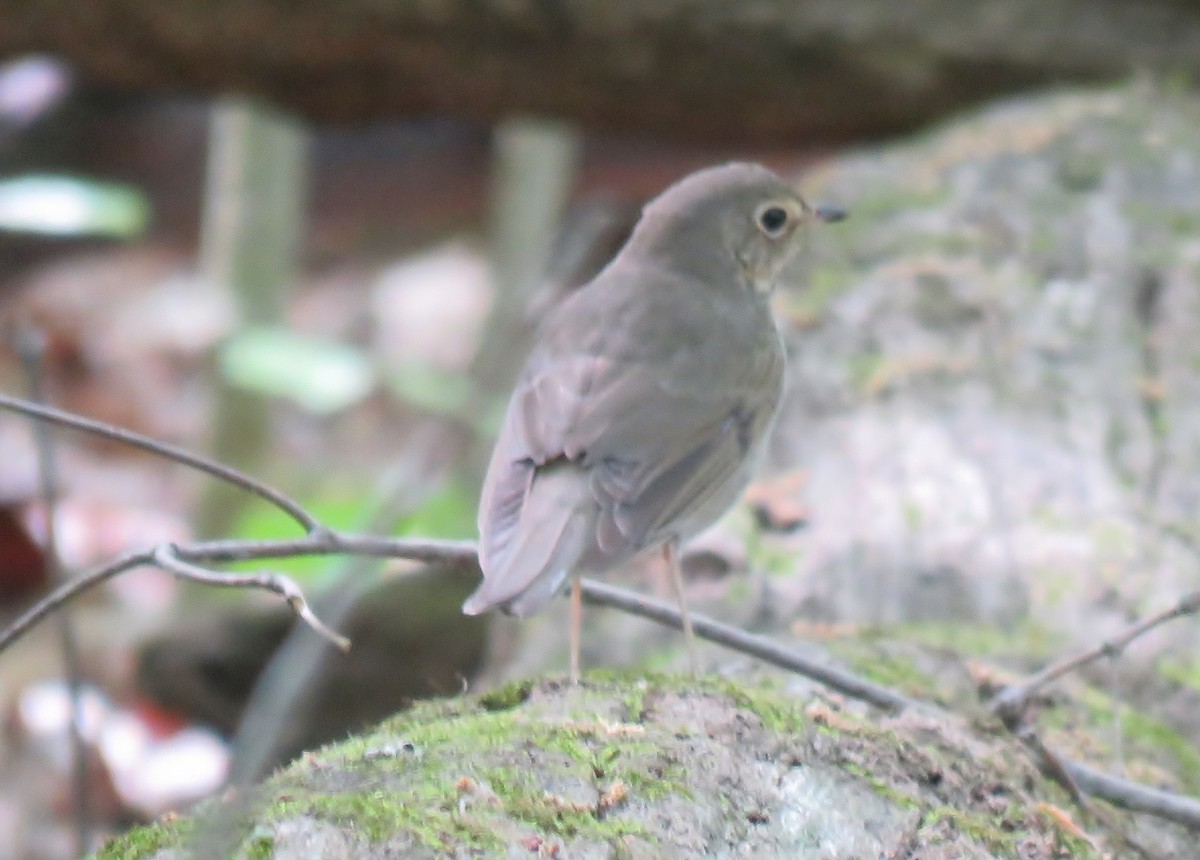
x=773, y=220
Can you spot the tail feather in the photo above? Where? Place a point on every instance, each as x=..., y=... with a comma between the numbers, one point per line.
x=555, y=527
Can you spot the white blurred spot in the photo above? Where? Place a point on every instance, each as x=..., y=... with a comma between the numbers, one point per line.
x=430, y=309
x=30, y=86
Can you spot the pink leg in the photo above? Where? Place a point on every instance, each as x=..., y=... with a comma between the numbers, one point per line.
x=671, y=554
x=576, y=626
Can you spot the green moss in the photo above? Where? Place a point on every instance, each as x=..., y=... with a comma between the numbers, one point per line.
x=376, y=814
x=764, y=554
x=259, y=845
x=866, y=369
x=454, y=777
x=883, y=788
x=998, y=833
x=884, y=667
x=530, y=804
x=506, y=697
x=1155, y=735
x=430, y=764
x=1144, y=737
x=895, y=199
x=1066, y=841
x=1174, y=220
x=822, y=286
x=427, y=812
x=1186, y=672
x=778, y=711
x=145, y=841
x=1027, y=639
x=1003, y=832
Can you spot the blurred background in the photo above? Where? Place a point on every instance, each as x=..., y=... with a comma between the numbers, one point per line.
x=313, y=242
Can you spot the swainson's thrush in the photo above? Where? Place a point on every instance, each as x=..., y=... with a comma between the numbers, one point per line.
x=640, y=412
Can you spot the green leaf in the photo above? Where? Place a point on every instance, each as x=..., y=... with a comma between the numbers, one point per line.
x=69, y=206
x=341, y=510
x=320, y=375
x=447, y=513
x=432, y=389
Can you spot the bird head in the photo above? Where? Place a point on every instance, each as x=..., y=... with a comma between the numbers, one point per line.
x=738, y=219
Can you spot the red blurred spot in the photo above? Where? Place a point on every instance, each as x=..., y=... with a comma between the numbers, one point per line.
x=22, y=564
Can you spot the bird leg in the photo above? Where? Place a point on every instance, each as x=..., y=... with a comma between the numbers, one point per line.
x=671, y=554
x=576, y=625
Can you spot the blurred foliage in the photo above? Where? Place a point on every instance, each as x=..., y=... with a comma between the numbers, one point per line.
x=449, y=512
x=320, y=375
x=71, y=206
x=325, y=377
x=433, y=389
x=1183, y=671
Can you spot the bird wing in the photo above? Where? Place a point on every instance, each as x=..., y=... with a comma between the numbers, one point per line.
x=607, y=445
x=670, y=462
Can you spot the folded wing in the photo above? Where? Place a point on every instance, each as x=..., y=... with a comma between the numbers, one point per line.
x=599, y=459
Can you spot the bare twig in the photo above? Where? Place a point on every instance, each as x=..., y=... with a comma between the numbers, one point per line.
x=1051, y=763
x=328, y=542
x=176, y=557
x=1135, y=796
x=1009, y=704
x=183, y=559
x=68, y=591
x=168, y=559
x=602, y=594
x=163, y=449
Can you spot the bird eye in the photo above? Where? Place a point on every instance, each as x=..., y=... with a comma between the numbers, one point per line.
x=772, y=220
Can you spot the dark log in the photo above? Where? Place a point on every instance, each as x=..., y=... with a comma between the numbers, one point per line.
x=766, y=71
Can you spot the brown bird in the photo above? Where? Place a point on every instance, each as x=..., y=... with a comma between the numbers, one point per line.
x=642, y=409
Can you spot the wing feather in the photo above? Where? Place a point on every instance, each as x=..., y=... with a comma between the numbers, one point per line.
x=638, y=442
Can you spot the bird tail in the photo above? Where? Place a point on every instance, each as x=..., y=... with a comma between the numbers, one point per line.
x=554, y=526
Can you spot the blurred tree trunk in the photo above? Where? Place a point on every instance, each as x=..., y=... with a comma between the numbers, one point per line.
x=253, y=220
x=533, y=169
x=770, y=70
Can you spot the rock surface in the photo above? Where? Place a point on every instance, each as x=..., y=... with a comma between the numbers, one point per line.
x=995, y=374
x=651, y=768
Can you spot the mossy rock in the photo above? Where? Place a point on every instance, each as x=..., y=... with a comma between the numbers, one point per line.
x=644, y=768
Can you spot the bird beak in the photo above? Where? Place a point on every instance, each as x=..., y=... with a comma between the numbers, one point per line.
x=830, y=214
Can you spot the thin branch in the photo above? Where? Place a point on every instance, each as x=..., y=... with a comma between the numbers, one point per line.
x=66, y=419
x=69, y=590
x=1052, y=764
x=168, y=559
x=1135, y=796
x=321, y=542
x=328, y=542
x=767, y=650
x=1009, y=704
x=183, y=558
